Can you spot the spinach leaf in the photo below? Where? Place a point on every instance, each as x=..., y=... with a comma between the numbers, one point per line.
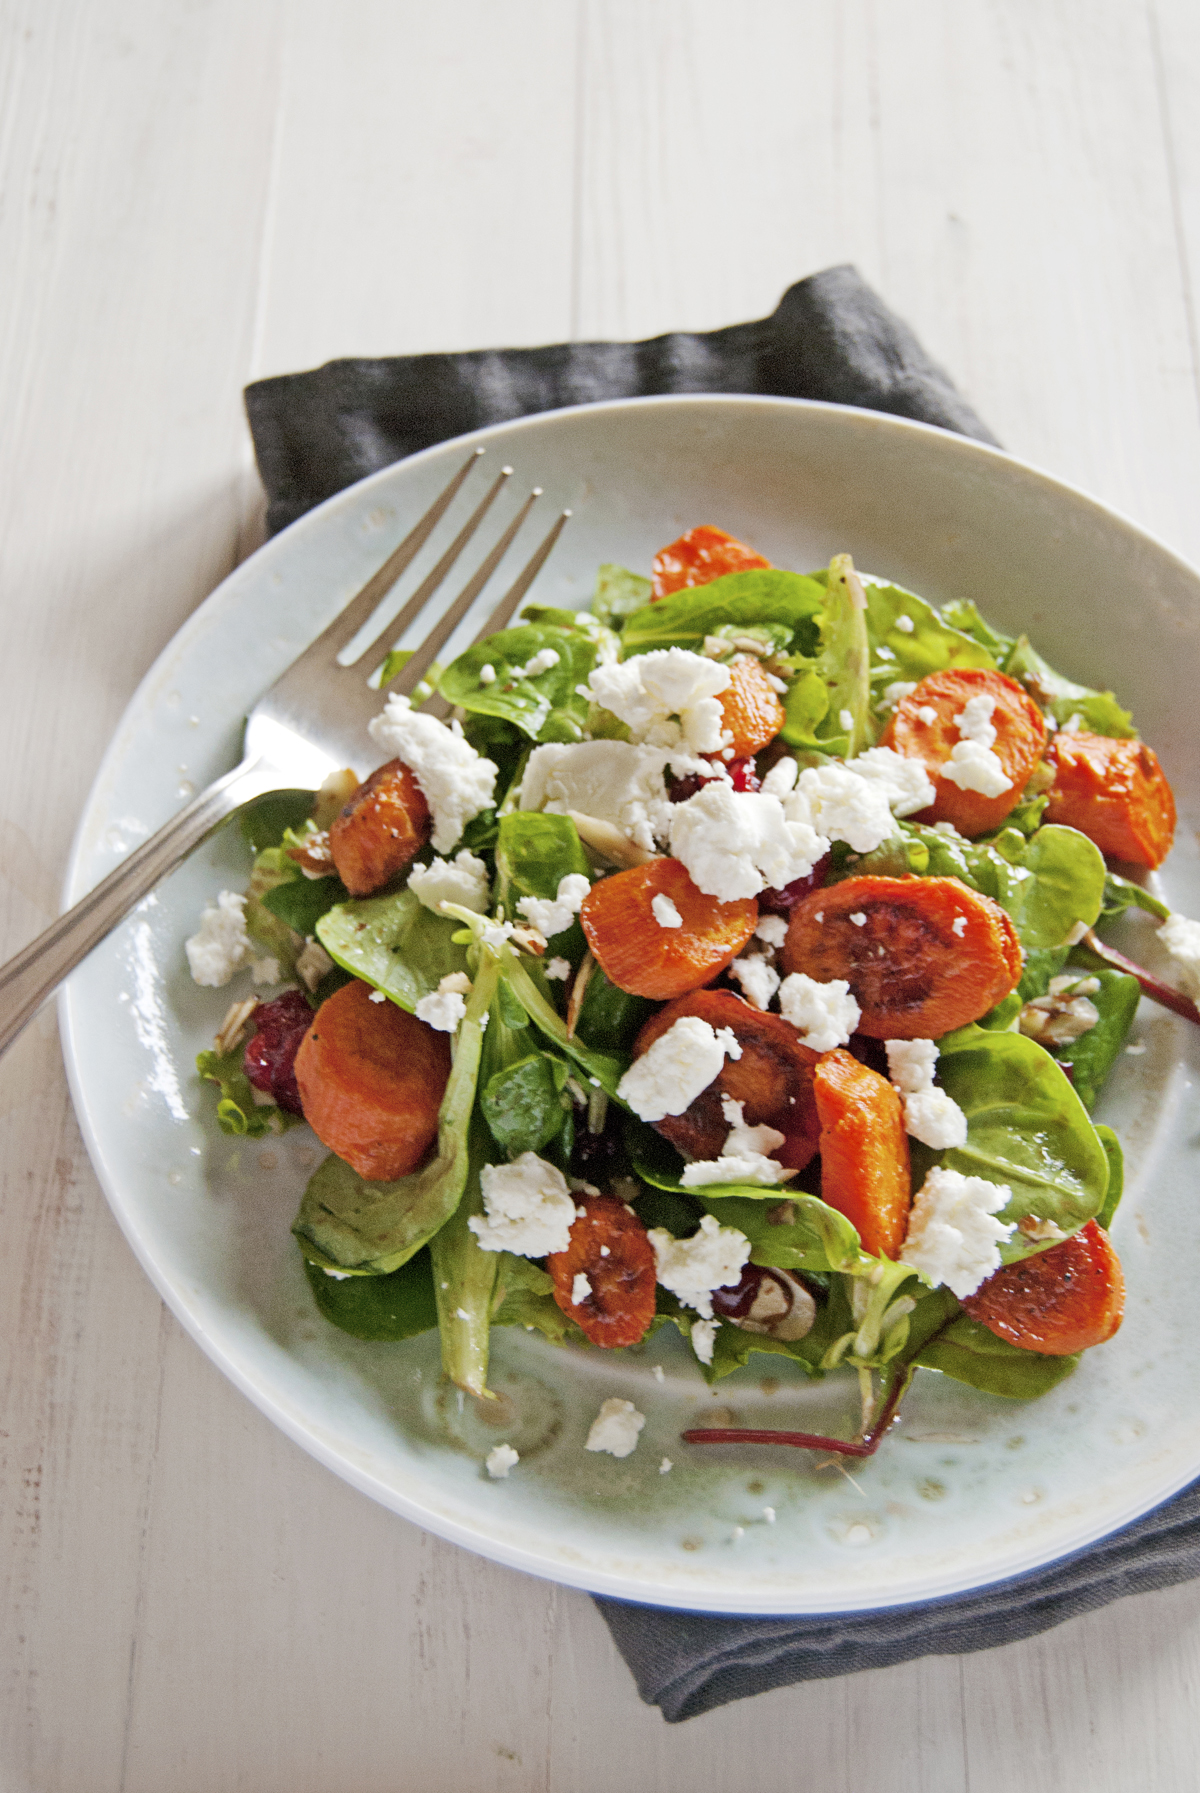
x=534, y=853
x=931, y=645
x=609, y=1017
x=962, y=615
x=968, y=1352
x=768, y=595
x=301, y=902
x=618, y=594
x=602, y=1069
x=1099, y=711
x=272, y=869
x=544, y=705
x=733, y=1347
x=464, y=1277
x=1116, y=1176
x=1093, y=1055
x=1121, y=894
x=393, y=942
x=378, y=1307
x=347, y=1223
x=1026, y=1127
x=238, y=1114
x=794, y=1231
x=524, y=1104
x=525, y=1297
x=1041, y=964
x=265, y=821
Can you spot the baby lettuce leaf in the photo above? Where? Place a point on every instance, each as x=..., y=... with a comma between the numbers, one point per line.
x=1026, y=1127
x=393, y=942
x=1098, y=711
x=534, y=853
x=546, y=706
x=301, y=902
x=524, y=1297
x=618, y=594
x=1116, y=1175
x=791, y=1232
x=1121, y=894
x=844, y=663
x=347, y=1223
x=525, y=1104
x=265, y=821
x=464, y=1278
x=968, y=1352
x=931, y=645
x=1093, y=1055
x=601, y=1069
x=609, y=1017
x=733, y=1346
x=238, y=1114
x=272, y=868
x=387, y=1308
x=962, y=615
x=765, y=596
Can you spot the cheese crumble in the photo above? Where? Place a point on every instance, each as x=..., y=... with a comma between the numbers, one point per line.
x=528, y=1208
x=616, y=1428
x=463, y=880
x=677, y=1068
x=457, y=782
x=952, y=1236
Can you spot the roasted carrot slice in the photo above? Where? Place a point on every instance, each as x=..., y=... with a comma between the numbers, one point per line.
x=750, y=708
x=864, y=1151
x=609, y=1246
x=921, y=955
x=384, y=825
x=772, y=1079
x=699, y=557
x=924, y=726
x=640, y=955
x=372, y=1078
x=1115, y=792
x=1061, y=1301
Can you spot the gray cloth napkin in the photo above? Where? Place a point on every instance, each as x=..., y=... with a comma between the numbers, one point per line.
x=830, y=338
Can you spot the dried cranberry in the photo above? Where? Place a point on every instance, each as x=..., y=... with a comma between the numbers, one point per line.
x=270, y=1060
x=782, y=902
x=681, y=789
x=743, y=776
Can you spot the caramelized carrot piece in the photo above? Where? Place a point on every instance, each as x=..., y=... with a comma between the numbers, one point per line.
x=772, y=1079
x=620, y=1303
x=1020, y=738
x=1115, y=792
x=921, y=955
x=750, y=708
x=699, y=557
x=384, y=825
x=1061, y=1301
x=639, y=955
x=371, y=1079
x=864, y=1151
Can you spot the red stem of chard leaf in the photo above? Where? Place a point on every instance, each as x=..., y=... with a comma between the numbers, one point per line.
x=1151, y=986
x=866, y=1446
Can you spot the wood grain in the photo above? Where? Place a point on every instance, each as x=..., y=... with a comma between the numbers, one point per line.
x=192, y=195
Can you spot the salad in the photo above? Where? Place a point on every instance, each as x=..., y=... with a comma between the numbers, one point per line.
x=728, y=961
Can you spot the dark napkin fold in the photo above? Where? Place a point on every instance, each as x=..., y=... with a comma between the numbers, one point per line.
x=829, y=338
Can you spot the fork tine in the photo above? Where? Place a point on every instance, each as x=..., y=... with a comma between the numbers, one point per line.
x=353, y=615
x=411, y=675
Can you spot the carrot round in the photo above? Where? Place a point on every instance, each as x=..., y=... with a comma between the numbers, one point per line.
x=609, y=1245
x=864, y=1151
x=1061, y=1301
x=772, y=1079
x=750, y=707
x=638, y=954
x=383, y=826
x=699, y=557
x=924, y=726
x=1115, y=792
x=921, y=955
x=372, y=1078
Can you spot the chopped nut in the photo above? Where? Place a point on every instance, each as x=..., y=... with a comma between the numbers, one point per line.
x=334, y=795
x=232, y=1030
x=608, y=843
x=313, y=964
x=530, y=940
x=1063, y=1015
x=1033, y=1228
x=315, y=857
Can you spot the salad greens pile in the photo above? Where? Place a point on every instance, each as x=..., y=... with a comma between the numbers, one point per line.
x=387, y=1260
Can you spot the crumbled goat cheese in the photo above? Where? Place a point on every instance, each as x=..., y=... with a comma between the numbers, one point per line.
x=680, y=1064
x=713, y=1258
x=959, y=925
x=221, y=945
x=842, y=806
x=859, y=918
x=666, y=1466
x=659, y=1374
x=540, y=663
x=930, y=1115
x=927, y=713
x=615, y=1428
x=742, y=1138
x=462, y=880
x=665, y=913
x=704, y=1337
x=613, y=781
x=772, y=929
x=905, y=781
x=581, y=1288
x=528, y=1208
x=736, y=843
x=758, y=979
x=495, y=935
x=500, y=1459
x=905, y=624
x=445, y=1007
x=377, y=996
x=896, y=693
x=557, y=970
x=781, y=779
x=554, y=915
x=974, y=722
x=846, y=720
x=1179, y=935
x=312, y=964
x=972, y=765
x=667, y=698
x=952, y=1237
x=911, y=1064
x=743, y=1167
x=824, y=1015
x=457, y=783
x=487, y=675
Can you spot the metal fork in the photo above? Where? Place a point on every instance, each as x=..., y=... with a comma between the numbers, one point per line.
x=312, y=721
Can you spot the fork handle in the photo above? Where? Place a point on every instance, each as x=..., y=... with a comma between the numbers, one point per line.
x=38, y=969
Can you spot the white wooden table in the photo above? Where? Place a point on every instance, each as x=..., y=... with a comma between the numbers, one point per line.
x=194, y=193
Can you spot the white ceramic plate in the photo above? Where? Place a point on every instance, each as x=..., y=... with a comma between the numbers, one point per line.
x=969, y=1488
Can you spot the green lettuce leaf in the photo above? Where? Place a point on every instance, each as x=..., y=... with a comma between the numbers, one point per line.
x=525, y=1104
x=968, y=1352
x=393, y=942
x=524, y=1297
x=546, y=706
x=464, y=1277
x=618, y=594
x=609, y=1017
x=931, y=645
x=962, y=615
x=765, y=596
x=1093, y=1055
x=386, y=1308
x=238, y=1114
x=301, y=902
x=266, y=820
x=1116, y=1175
x=600, y=1068
x=534, y=853
x=1121, y=894
x=1098, y=711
